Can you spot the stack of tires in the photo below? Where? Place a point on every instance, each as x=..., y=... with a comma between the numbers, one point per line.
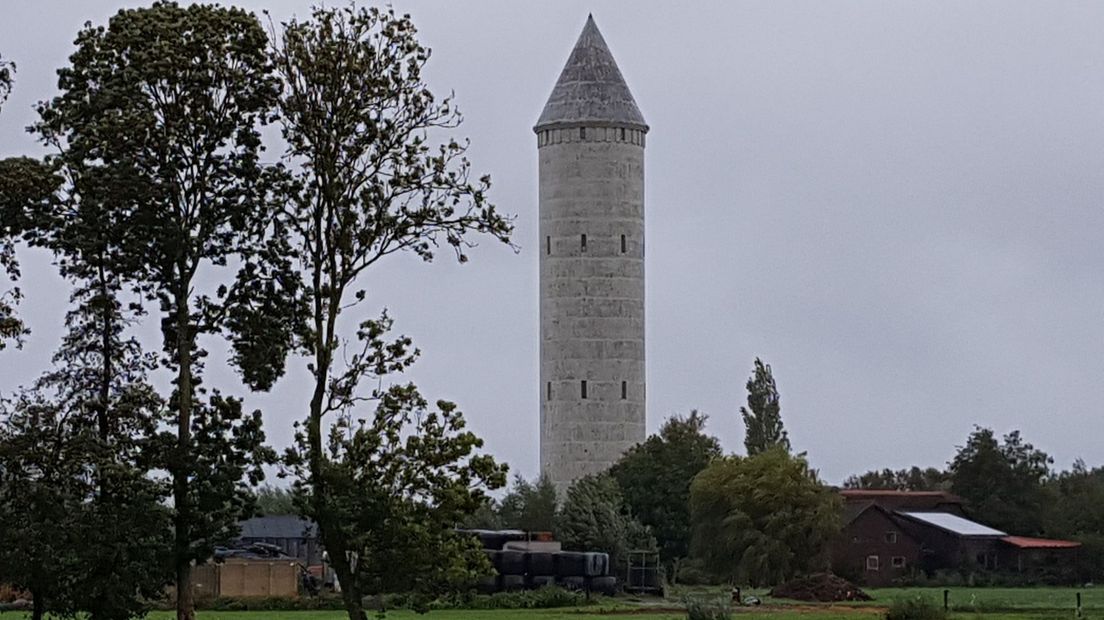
x=581, y=571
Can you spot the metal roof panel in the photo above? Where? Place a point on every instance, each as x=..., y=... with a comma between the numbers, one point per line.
x=954, y=524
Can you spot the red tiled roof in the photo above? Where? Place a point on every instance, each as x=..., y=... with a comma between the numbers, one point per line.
x=1024, y=542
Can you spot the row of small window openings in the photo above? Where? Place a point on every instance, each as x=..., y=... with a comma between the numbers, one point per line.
x=583, y=389
x=601, y=133
x=583, y=244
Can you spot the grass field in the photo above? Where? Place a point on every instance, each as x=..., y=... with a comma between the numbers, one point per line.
x=968, y=604
x=527, y=614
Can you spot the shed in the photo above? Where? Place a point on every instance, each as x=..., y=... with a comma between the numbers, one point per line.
x=1038, y=555
x=296, y=537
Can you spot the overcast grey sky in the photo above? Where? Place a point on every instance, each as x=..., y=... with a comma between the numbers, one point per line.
x=898, y=205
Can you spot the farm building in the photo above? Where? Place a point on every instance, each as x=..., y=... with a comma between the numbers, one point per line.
x=874, y=549
x=298, y=538
x=889, y=536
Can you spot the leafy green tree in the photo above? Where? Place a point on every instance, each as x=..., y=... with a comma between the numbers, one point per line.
x=763, y=415
x=655, y=478
x=397, y=484
x=99, y=389
x=1077, y=513
x=366, y=183
x=486, y=517
x=1078, y=495
x=7, y=76
x=761, y=519
x=912, y=479
x=1002, y=481
x=594, y=517
x=27, y=186
x=41, y=489
x=272, y=500
x=530, y=506
x=121, y=528
x=160, y=112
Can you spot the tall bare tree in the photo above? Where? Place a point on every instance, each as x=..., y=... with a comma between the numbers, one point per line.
x=368, y=181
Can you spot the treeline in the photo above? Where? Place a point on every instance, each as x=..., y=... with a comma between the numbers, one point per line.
x=156, y=205
x=765, y=517
x=757, y=519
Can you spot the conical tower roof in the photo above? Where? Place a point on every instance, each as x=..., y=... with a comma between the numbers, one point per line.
x=590, y=88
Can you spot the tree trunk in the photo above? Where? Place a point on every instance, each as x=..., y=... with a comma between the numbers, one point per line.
x=350, y=589
x=38, y=606
x=185, y=604
x=185, y=599
x=106, y=369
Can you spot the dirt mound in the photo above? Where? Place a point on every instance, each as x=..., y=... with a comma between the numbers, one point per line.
x=821, y=587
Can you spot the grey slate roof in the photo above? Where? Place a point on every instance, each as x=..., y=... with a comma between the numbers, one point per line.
x=277, y=526
x=590, y=88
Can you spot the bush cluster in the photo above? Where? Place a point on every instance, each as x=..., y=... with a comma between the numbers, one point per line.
x=708, y=608
x=915, y=609
x=547, y=597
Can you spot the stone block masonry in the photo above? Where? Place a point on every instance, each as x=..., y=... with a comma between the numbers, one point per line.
x=590, y=141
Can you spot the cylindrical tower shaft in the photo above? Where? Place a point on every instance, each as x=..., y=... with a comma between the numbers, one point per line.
x=590, y=142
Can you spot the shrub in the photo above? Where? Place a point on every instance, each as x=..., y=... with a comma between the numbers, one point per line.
x=915, y=609
x=273, y=603
x=547, y=597
x=708, y=608
x=691, y=572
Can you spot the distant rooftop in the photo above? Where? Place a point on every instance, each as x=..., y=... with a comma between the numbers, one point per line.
x=591, y=88
x=277, y=526
x=953, y=524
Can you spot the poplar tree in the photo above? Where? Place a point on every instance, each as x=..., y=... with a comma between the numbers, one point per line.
x=160, y=113
x=763, y=414
x=367, y=182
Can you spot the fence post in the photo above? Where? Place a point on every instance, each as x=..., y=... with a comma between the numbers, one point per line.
x=1078, y=604
x=946, y=600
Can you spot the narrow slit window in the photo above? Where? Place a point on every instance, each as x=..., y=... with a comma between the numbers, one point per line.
x=622, y=133
x=582, y=242
x=624, y=244
x=584, y=388
x=582, y=133
x=548, y=245
x=548, y=391
x=624, y=390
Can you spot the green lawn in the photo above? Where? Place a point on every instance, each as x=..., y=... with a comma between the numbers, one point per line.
x=969, y=604
x=999, y=599
x=580, y=614
x=778, y=613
